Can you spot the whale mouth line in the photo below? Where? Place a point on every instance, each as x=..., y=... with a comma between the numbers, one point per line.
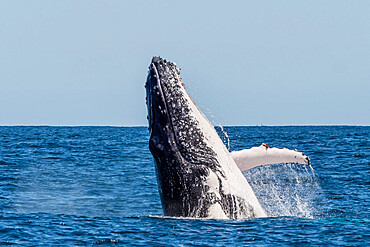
x=166, y=104
x=160, y=89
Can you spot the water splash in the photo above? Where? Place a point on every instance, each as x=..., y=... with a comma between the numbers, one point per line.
x=211, y=117
x=286, y=190
x=219, y=128
x=226, y=138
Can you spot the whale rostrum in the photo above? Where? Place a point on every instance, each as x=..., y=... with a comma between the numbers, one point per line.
x=197, y=175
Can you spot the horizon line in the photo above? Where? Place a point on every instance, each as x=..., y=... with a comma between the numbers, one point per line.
x=237, y=125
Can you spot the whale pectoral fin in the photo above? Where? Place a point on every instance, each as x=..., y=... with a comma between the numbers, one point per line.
x=264, y=155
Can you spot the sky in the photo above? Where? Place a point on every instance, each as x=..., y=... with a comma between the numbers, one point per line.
x=243, y=62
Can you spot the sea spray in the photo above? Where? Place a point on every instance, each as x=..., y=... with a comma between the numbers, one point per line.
x=224, y=137
x=286, y=189
x=282, y=189
x=212, y=118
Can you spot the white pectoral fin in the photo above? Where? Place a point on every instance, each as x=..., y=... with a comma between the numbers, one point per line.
x=263, y=155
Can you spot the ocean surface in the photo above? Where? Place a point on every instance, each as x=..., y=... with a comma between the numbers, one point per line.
x=71, y=186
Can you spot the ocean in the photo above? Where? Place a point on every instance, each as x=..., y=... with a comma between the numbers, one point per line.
x=71, y=186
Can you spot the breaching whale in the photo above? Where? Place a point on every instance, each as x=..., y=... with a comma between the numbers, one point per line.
x=197, y=175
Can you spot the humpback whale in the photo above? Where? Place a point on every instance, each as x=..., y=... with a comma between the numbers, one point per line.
x=197, y=175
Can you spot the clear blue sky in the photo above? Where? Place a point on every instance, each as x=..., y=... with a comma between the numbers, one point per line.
x=248, y=62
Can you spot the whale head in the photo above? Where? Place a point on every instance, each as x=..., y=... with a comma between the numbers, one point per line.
x=196, y=175
x=176, y=142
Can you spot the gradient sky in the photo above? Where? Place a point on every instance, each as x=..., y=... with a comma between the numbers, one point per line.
x=243, y=62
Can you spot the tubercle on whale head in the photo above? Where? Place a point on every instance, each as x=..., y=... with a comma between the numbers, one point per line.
x=163, y=76
x=172, y=115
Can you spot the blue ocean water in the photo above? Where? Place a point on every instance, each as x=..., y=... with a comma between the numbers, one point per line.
x=74, y=186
